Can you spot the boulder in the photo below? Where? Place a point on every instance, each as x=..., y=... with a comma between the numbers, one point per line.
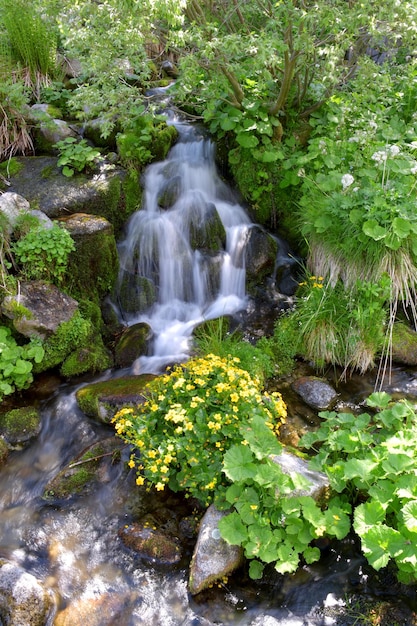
x=151, y=544
x=213, y=557
x=38, y=309
x=315, y=392
x=19, y=426
x=11, y=205
x=404, y=344
x=102, y=400
x=132, y=344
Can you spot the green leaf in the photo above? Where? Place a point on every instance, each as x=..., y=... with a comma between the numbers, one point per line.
x=232, y=529
x=256, y=569
x=67, y=171
x=379, y=399
x=247, y=140
x=311, y=555
x=270, y=156
x=380, y=543
x=372, y=229
x=401, y=227
x=367, y=515
x=238, y=463
x=227, y=123
x=262, y=441
x=359, y=468
x=409, y=513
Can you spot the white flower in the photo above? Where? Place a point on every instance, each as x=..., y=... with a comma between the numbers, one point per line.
x=394, y=150
x=413, y=170
x=380, y=156
x=347, y=180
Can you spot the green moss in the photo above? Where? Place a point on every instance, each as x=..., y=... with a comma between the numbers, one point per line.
x=92, y=358
x=68, y=337
x=4, y=452
x=20, y=424
x=11, y=167
x=49, y=171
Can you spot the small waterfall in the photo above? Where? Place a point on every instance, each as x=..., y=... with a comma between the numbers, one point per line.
x=183, y=258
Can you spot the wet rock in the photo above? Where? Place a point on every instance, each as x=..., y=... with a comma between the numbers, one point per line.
x=404, y=344
x=80, y=477
x=23, y=599
x=132, y=344
x=4, y=452
x=102, y=400
x=213, y=558
x=170, y=69
x=261, y=254
x=208, y=233
x=170, y=193
x=47, y=307
x=318, y=481
x=151, y=544
x=315, y=392
x=106, y=610
x=19, y=426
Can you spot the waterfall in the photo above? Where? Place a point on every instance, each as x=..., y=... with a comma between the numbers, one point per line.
x=183, y=257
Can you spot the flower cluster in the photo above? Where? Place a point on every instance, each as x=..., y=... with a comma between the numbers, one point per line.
x=191, y=417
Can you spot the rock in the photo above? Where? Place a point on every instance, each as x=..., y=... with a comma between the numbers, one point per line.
x=404, y=344
x=102, y=400
x=23, y=599
x=132, y=344
x=19, y=426
x=51, y=132
x=151, y=544
x=82, y=474
x=170, y=69
x=46, y=308
x=315, y=392
x=261, y=254
x=4, y=452
x=292, y=464
x=94, y=264
x=106, y=610
x=213, y=558
x=11, y=206
x=41, y=182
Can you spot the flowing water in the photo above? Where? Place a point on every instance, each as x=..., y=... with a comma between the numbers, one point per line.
x=73, y=545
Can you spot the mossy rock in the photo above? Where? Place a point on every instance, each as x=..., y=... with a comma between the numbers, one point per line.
x=19, y=427
x=132, y=344
x=91, y=358
x=404, y=344
x=85, y=471
x=102, y=400
x=151, y=544
x=4, y=452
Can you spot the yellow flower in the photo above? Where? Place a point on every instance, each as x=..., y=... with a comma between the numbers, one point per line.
x=168, y=458
x=154, y=468
x=234, y=397
x=253, y=507
x=140, y=480
x=131, y=463
x=151, y=454
x=154, y=407
x=164, y=469
x=160, y=486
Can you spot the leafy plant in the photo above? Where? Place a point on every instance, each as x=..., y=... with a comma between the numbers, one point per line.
x=43, y=253
x=75, y=156
x=16, y=362
x=191, y=417
x=370, y=460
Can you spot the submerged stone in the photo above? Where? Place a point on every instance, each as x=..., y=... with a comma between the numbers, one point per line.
x=315, y=392
x=91, y=467
x=151, y=544
x=23, y=599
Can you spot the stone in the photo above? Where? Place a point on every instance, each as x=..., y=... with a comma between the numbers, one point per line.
x=404, y=344
x=292, y=464
x=107, y=609
x=213, y=557
x=132, y=344
x=46, y=308
x=11, y=206
x=19, y=426
x=151, y=544
x=102, y=400
x=23, y=599
x=315, y=392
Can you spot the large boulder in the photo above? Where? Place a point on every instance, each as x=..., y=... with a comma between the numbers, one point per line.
x=38, y=309
x=11, y=206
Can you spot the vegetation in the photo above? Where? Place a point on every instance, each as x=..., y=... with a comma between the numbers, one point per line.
x=75, y=156
x=16, y=362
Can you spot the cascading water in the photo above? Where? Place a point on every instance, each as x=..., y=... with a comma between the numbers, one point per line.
x=183, y=258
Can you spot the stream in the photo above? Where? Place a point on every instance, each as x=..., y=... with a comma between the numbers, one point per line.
x=73, y=546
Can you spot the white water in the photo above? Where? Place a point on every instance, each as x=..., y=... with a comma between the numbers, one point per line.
x=191, y=285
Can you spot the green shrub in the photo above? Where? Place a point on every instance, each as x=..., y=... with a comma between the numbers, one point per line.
x=43, y=253
x=371, y=461
x=192, y=416
x=16, y=362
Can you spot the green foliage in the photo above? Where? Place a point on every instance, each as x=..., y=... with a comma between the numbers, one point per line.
x=214, y=338
x=371, y=460
x=75, y=156
x=16, y=362
x=68, y=337
x=192, y=416
x=32, y=38
x=144, y=138
x=43, y=253
x=341, y=326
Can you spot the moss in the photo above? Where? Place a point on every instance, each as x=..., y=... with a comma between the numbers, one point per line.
x=68, y=337
x=49, y=171
x=4, y=452
x=92, y=358
x=164, y=137
x=80, y=476
x=11, y=167
x=19, y=425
